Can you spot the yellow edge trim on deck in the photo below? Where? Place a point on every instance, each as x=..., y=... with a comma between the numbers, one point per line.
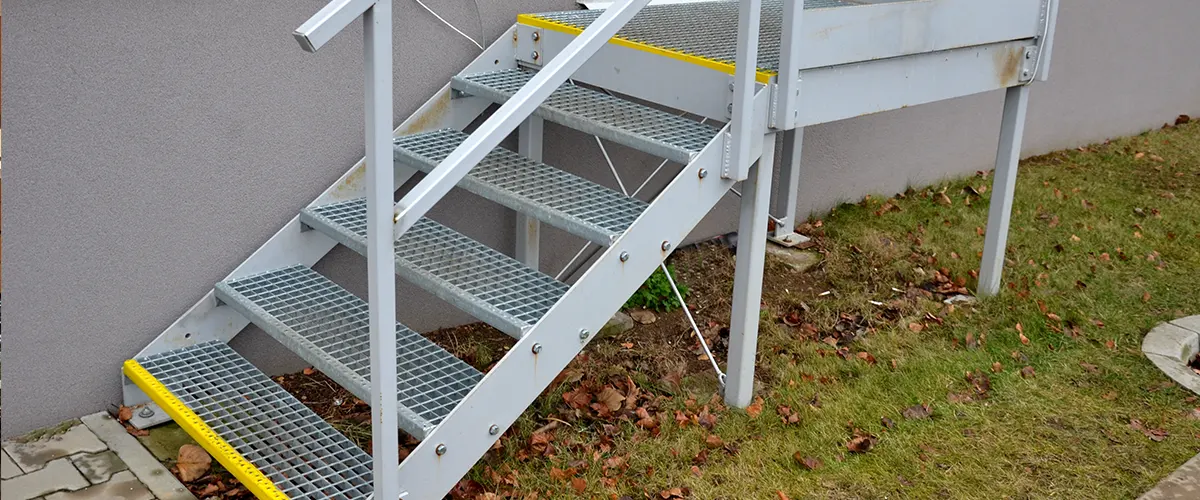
x=537, y=22
x=247, y=473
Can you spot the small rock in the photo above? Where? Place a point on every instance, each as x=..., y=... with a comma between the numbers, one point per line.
x=643, y=316
x=961, y=299
x=618, y=324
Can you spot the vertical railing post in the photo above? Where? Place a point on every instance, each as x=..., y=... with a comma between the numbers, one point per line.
x=786, y=117
x=737, y=159
x=748, y=277
x=381, y=273
x=1008, y=155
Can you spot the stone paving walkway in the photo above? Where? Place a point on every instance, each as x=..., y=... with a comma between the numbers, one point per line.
x=1170, y=346
x=93, y=458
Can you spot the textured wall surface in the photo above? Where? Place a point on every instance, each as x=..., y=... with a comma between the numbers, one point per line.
x=153, y=146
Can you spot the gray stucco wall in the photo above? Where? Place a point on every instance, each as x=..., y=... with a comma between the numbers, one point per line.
x=153, y=146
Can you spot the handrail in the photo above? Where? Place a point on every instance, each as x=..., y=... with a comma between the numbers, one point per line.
x=381, y=275
x=451, y=170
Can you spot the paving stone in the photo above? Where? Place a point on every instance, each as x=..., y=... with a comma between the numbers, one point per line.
x=1191, y=323
x=35, y=454
x=8, y=468
x=98, y=467
x=141, y=463
x=55, y=475
x=1178, y=372
x=798, y=260
x=123, y=486
x=1171, y=341
x=1183, y=484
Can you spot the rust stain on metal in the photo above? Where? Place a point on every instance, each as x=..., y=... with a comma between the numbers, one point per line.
x=428, y=119
x=1008, y=65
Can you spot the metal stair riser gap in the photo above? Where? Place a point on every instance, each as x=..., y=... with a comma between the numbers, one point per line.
x=479, y=280
x=327, y=326
x=563, y=200
x=624, y=122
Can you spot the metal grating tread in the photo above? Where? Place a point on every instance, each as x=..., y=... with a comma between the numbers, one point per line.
x=474, y=277
x=624, y=122
x=572, y=203
x=328, y=327
x=707, y=30
x=301, y=454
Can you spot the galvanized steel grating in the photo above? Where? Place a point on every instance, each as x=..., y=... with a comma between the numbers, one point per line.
x=552, y=195
x=478, y=279
x=703, y=29
x=328, y=327
x=624, y=122
x=303, y=455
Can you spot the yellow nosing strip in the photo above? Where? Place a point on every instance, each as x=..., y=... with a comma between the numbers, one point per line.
x=762, y=76
x=247, y=473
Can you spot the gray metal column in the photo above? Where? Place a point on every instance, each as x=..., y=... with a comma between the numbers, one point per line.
x=787, y=193
x=1012, y=127
x=381, y=267
x=748, y=278
x=529, y=145
x=737, y=162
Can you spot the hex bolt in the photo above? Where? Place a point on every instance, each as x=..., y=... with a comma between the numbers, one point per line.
x=537, y=348
x=146, y=412
x=731, y=86
x=729, y=108
x=494, y=429
x=1029, y=55
x=440, y=450
x=702, y=173
x=537, y=36
x=1025, y=73
x=624, y=256
x=666, y=245
x=584, y=334
x=535, y=55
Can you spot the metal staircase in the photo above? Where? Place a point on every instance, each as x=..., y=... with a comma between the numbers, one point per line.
x=281, y=449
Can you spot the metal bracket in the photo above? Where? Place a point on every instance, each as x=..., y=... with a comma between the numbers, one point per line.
x=529, y=46
x=729, y=99
x=1029, y=64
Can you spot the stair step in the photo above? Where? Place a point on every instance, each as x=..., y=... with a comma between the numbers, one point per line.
x=328, y=327
x=624, y=122
x=274, y=444
x=566, y=201
x=487, y=284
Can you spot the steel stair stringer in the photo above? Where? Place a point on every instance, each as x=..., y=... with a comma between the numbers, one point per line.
x=208, y=319
x=508, y=389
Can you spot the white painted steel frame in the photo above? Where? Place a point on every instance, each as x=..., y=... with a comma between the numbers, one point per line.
x=209, y=320
x=529, y=145
x=459, y=162
x=737, y=155
x=518, y=378
x=1012, y=128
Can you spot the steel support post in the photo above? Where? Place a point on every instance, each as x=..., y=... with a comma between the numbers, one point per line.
x=738, y=147
x=529, y=145
x=381, y=267
x=1012, y=127
x=748, y=278
x=787, y=194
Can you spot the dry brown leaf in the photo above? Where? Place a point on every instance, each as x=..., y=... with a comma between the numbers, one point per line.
x=997, y=367
x=578, y=484
x=861, y=443
x=917, y=412
x=916, y=327
x=309, y=371
x=755, y=409
x=611, y=398
x=193, y=462
x=124, y=414
x=810, y=463
x=714, y=441
x=1027, y=372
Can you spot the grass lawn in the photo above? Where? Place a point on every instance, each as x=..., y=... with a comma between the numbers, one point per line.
x=1039, y=392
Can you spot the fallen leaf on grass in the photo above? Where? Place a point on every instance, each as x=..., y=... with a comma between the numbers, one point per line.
x=1155, y=435
x=918, y=412
x=193, y=462
x=866, y=356
x=578, y=484
x=610, y=398
x=1089, y=367
x=755, y=409
x=674, y=493
x=916, y=327
x=997, y=367
x=781, y=495
x=1027, y=372
x=861, y=442
x=714, y=441
x=887, y=422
